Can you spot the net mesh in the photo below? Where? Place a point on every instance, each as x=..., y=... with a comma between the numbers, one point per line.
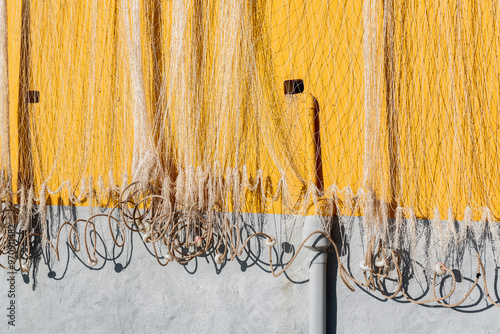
x=178, y=106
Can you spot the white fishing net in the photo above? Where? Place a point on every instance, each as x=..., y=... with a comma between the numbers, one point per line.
x=174, y=114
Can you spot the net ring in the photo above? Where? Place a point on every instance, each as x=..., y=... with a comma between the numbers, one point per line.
x=363, y=266
x=92, y=262
x=380, y=263
x=199, y=241
x=219, y=258
x=440, y=268
x=270, y=242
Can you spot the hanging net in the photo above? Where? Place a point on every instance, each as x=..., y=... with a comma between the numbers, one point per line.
x=181, y=116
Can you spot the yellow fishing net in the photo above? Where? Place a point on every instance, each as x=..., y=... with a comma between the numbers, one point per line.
x=178, y=108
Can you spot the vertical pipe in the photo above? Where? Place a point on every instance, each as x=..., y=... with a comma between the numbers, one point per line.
x=317, y=274
x=312, y=223
x=317, y=293
x=315, y=170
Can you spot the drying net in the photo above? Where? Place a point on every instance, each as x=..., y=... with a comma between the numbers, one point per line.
x=173, y=114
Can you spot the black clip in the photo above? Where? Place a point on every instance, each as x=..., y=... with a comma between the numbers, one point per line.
x=295, y=86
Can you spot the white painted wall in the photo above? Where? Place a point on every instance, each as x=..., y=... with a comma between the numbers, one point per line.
x=131, y=293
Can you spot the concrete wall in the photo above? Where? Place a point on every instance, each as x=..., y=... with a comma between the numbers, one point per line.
x=129, y=292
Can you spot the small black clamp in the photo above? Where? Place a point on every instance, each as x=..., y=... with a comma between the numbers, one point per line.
x=295, y=86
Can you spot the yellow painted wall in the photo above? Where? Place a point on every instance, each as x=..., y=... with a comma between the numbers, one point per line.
x=445, y=96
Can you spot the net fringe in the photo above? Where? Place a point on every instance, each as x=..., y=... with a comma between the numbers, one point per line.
x=228, y=192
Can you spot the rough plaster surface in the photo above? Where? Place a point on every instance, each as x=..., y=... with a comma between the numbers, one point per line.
x=130, y=293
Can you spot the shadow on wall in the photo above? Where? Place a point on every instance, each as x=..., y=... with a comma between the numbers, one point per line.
x=256, y=254
x=418, y=282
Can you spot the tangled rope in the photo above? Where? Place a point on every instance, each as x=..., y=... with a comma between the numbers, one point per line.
x=187, y=234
